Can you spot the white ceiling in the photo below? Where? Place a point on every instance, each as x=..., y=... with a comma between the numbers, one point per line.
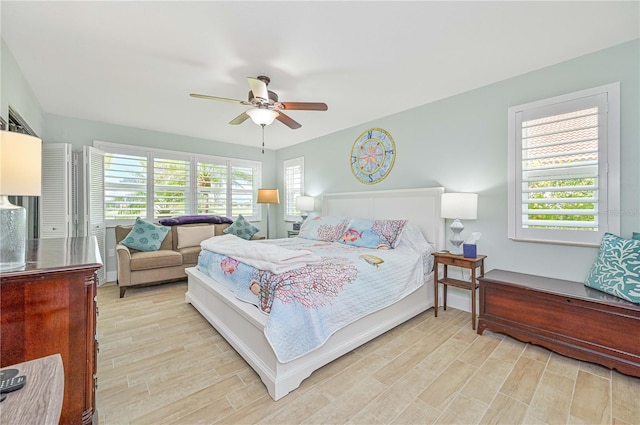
x=135, y=63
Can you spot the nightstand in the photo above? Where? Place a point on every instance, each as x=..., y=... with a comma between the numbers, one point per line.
x=472, y=264
x=292, y=233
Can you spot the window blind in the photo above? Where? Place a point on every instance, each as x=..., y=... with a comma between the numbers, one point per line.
x=125, y=186
x=244, y=191
x=560, y=171
x=564, y=167
x=171, y=187
x=294, y=187
x=212, y=188
x=155, y=183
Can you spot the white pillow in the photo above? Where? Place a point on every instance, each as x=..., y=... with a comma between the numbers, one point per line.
x=193, y=235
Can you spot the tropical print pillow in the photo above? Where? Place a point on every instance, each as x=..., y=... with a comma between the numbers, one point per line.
x=616, y=269
x=323, y=228
x=378, y=234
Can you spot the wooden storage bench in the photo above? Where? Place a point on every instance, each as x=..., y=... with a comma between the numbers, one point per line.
x=563, y=316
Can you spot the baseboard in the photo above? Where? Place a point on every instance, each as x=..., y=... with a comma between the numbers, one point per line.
x=459, y=301
x=112, y=276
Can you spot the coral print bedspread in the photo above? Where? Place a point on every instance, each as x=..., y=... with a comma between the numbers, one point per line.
x=309, y=302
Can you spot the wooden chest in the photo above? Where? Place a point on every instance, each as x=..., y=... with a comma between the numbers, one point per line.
x=564, y=316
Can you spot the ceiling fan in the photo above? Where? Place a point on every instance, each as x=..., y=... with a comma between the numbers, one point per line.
x=266, y=106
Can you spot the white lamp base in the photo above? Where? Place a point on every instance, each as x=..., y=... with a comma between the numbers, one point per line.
x=13, y=235
x=456, y=240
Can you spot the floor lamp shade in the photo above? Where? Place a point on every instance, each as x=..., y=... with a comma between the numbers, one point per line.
x=458, y=206
x=20, y=175
x=268, y=196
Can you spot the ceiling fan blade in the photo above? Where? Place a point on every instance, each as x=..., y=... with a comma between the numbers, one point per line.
x=304, y=106
x=224, y=99
x=288, y=121
x=259, y=88
x=239, y=119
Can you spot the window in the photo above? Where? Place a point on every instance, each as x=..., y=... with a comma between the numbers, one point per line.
x=125, y=186
x=293, y=187
x=212, y=188
x=171, y=187
x=244, y=190
x=154, y=184
x=564, y=178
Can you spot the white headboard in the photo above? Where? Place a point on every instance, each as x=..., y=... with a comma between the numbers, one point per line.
x=419, y=206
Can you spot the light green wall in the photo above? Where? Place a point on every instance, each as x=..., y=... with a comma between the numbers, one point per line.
x=80, y=132
x=16, y=92
x=461, y=143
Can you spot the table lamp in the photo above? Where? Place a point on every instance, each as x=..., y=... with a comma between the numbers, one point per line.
x=268, y=196
x=458, y=206
x=20, y=175
x=304, y=204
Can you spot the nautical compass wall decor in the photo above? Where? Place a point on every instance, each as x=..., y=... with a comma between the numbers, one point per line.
x=372, y=155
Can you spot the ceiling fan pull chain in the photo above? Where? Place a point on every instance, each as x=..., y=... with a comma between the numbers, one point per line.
x=262, y=125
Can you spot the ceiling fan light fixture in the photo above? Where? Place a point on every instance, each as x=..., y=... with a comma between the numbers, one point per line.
x=262, y=116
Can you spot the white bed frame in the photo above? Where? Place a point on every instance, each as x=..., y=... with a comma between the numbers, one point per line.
x=242, y=324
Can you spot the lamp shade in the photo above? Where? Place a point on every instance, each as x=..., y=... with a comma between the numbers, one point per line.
x=262, y=116
x=463, y=206
x=268, y=196
x=305, y=203
x=20, y=164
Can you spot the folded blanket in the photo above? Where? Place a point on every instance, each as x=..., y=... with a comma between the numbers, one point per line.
x=262, y=256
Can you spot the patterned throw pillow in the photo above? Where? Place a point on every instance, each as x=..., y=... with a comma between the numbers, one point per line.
x=323, y=228
x=616, y=270
x=145, y=236
x=379, y=234
x=242, y=228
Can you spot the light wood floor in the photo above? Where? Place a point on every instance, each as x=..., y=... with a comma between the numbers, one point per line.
x=161, y=362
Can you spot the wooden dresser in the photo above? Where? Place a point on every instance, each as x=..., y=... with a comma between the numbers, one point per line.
x=49, y=307
x=564, y=316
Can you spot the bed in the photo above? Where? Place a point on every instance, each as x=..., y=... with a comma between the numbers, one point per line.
x=243, y=325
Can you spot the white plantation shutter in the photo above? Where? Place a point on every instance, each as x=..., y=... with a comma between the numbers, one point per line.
x=212, y=188
x=94, y=201
x=171, y=187
x=125, y=186
x=293, y=187
x=154, y=183
x=562, y=156
x=56, y=200
x=244, y=191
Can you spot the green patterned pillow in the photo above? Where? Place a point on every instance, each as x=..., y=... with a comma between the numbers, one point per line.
x=242, y=228
x=616, y=270
x=145, y=236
